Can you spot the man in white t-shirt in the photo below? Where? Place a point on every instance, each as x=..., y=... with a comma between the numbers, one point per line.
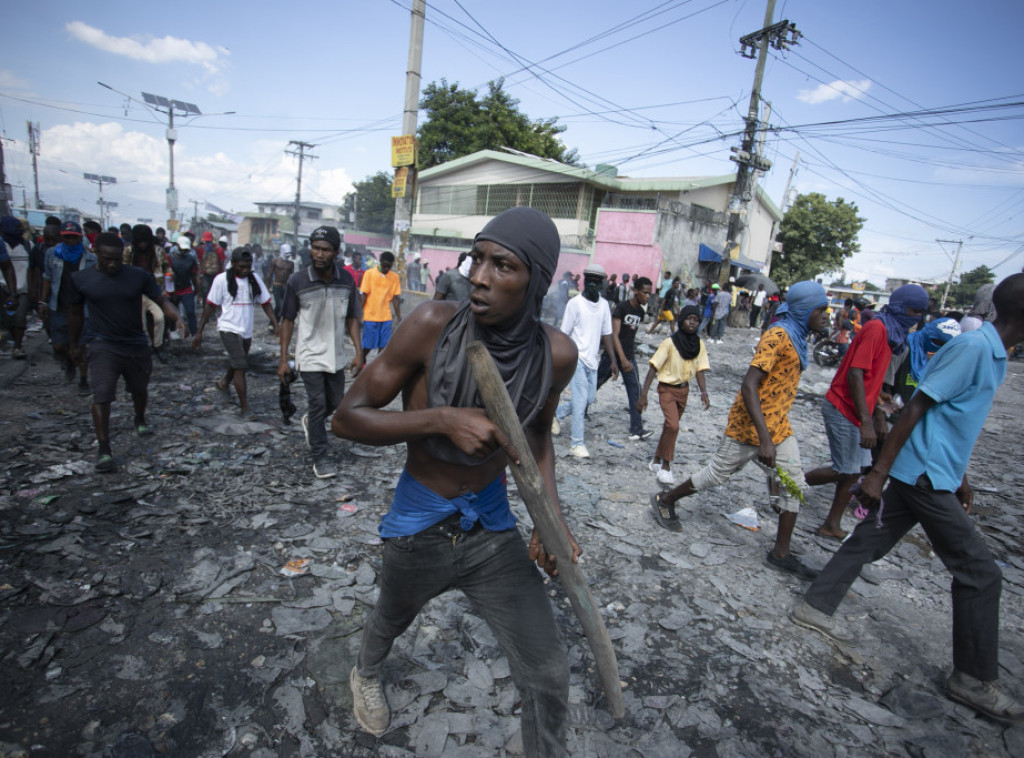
x=588, y=322
x=758, y=304
x=236, y=292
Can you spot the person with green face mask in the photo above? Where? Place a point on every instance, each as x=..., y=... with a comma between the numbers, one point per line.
x=588, y=322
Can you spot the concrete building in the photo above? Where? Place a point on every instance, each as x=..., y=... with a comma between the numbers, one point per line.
x=627, y=225
x=311, y=215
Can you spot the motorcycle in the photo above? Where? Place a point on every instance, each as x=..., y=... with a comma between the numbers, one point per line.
x=826, y=351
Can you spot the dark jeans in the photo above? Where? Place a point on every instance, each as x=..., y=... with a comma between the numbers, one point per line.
x=495, y=573
x=977, y=581
x=323, y=392
x=632, y=382
x=755, y=313
x=278, y=301
x=188, y=304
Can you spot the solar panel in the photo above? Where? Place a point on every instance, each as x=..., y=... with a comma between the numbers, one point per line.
x=163, y=102
x=109, y=179
x=91, y=177
x=187, y=107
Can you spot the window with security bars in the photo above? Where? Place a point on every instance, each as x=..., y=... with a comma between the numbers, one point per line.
x=558, y=200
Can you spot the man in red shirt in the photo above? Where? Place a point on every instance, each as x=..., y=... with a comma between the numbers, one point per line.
x=853, y=422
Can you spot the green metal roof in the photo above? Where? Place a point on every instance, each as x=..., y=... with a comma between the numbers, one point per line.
x=612, y=183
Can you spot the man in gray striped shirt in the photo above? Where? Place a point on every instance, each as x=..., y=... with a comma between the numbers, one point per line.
x=322, y=299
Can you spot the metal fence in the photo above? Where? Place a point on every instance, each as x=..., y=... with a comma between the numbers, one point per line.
x=567, y=200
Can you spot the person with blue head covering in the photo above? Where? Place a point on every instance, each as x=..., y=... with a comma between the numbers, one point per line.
x=759, y=429
x=925, y=460
x=450, y=525
x=853, y=421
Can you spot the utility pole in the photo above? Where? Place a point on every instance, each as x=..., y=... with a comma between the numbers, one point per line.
x=956, y=265
x=5, y=188
x=783, y=207
x=410, y=112
x=300, y=152
x=100, y=181
x=33, y=146
x=195, y=212
x=747, y=156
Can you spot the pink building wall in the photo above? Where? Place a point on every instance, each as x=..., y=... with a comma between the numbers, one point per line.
x=367, y=238
x=625, y=243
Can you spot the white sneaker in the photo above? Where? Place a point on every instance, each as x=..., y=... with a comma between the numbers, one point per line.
x=580, y=451
x=556, y=428
x=654, y=467
x=665, y=477
x=369, y=705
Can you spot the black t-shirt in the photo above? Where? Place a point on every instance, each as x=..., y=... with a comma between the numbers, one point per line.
x=65, y=289
x=115, y=303
x=631, y=316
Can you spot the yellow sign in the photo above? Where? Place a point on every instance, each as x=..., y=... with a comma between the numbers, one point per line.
x=859, y=286
x=398, y=187
x=403, y=150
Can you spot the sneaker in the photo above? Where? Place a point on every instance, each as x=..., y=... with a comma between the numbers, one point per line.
x=305, y=428
x=985, y=697
x=144, y=430
x=104, y=462
x=556, y=428
x=665, y=477
x=805, y=615
x=324, y=469
x=18, y=354
x=580, y=451
x=668, y=519
x=655, y=467
x=369, y=705
x=641, y=436
x=793, y=565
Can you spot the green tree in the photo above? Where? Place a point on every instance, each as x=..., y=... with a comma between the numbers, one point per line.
x=962, y=293
x=817, y=235
x=460, y=122
x=372, y=202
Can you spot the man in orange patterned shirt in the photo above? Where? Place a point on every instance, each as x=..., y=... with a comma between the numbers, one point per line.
x=758, y=427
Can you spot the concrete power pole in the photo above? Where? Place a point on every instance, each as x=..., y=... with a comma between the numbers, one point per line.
x=403, y=205
x=956, y=265
x=300, y=153
x=33, y=146
x=747, y=156
x=783, y=206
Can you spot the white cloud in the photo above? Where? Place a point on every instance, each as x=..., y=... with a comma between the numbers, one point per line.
x=152, y=50
x=824, y=92
x=140, y=164
x=12, y=81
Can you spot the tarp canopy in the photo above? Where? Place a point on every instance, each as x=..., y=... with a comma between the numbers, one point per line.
x=742, y=262
x=707, y=255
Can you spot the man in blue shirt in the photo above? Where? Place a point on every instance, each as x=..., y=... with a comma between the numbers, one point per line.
x=926, y=457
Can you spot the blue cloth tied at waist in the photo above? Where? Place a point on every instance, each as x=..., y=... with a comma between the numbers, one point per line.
x=417, y=507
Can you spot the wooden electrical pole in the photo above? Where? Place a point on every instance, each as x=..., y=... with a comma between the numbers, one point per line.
x=747, y=157
x=403, y=205
x=300, y=153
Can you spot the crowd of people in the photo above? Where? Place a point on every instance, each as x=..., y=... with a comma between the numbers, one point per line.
x=905, y=406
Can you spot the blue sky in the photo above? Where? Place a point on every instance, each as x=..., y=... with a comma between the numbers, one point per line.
x=651, y=87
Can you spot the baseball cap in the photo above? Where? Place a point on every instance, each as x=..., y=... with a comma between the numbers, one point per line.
x=207, y=236
x=71, y=227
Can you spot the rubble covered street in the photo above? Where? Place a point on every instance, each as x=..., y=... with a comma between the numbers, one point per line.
x=206, y=598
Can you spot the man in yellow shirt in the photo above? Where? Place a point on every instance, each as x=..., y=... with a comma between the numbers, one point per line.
x=380, y=290
x=759, y=429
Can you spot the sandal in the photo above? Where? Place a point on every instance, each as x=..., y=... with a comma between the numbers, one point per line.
x=671, y=522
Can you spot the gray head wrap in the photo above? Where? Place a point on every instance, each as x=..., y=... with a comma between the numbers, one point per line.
x=520, y=347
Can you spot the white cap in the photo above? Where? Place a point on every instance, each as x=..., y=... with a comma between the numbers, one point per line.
x=286, y=248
